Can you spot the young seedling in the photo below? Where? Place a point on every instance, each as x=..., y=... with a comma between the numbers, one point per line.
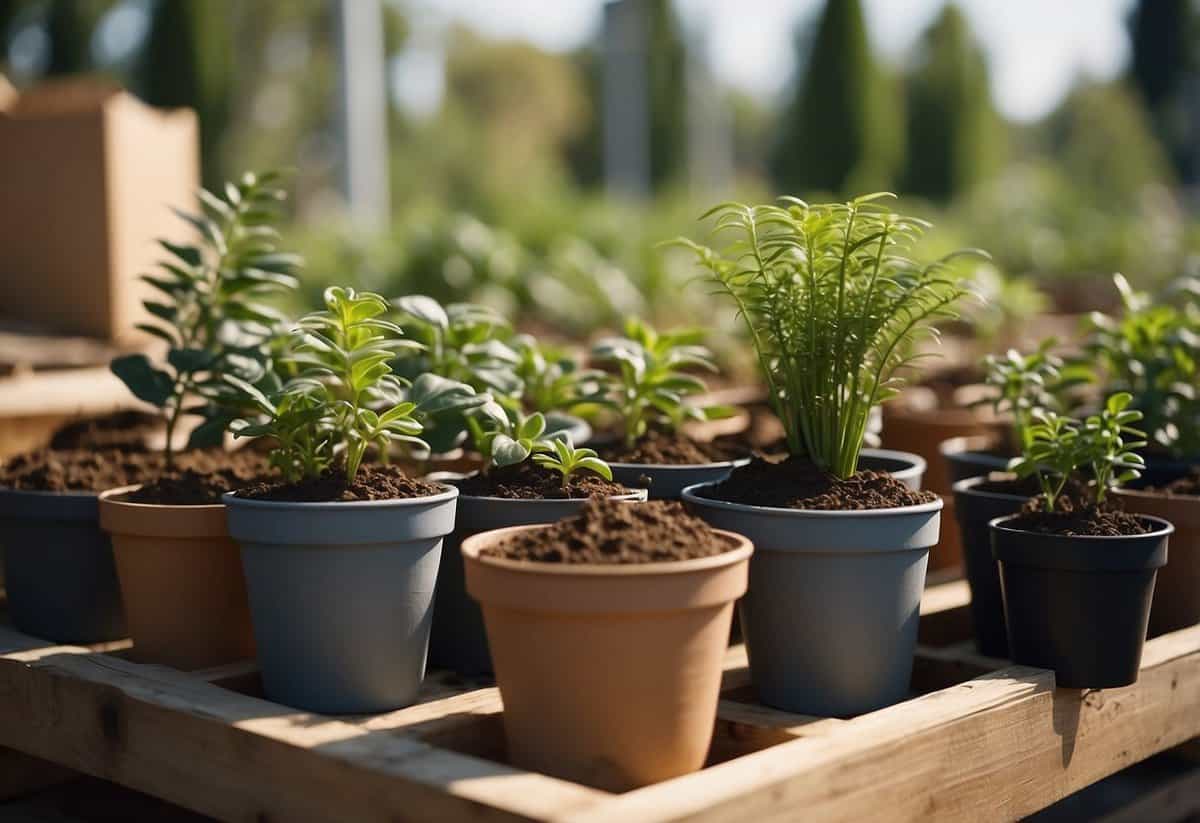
x=1024, y=383
x=342, y=400
x=461, y=341
x=209, y=314
x=1102, y=446
x=833, y=302
x=504, y=441
x=568, y=461
x=650, y=387
x=551, y=380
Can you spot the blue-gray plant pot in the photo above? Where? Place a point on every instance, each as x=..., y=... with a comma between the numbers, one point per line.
x=341, y=596
x=58, y=567
x=830, y=618
x=665, y=482
x=458, y=640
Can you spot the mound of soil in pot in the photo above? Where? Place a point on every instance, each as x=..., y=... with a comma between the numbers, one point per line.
x=529, y=481
x=669, y=449
x=795, y=483
x=612, y=531
x=208, y=476
x=373, y=482
x=95, y=470
x=127, y=430
x=1074, y=519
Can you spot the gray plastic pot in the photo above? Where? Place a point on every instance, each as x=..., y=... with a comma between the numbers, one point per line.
x=59, y=568
x=458, y=640
x=664, y=482
x=906, y=467
x=341, y=596
x=830, y=619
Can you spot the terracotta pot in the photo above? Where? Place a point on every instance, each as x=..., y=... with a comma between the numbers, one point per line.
x=1177, y=590
x=181, y=581
x=457, y=640
x=609, y=674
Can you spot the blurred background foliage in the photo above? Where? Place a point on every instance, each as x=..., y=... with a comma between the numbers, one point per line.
x=498, y=191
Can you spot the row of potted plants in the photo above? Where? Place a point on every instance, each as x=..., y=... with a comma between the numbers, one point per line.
x=604, y=618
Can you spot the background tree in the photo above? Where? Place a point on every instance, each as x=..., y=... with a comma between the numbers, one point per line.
x=954, y=136
x=1164, y=69
x=841, y=130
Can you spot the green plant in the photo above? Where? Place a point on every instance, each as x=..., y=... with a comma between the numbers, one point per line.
x=551, y=380
x=833, y=303
x=209, y=313
x=650, y=387
x=344, y=398
x=1022, y=384
x=1061, y=448
x=461, y=341
x=568, y=460
x=504, y=440
x=1152, y=351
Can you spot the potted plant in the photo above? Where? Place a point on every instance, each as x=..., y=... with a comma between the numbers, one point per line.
x=832, y=301
x=1019, y=385
x=180, y=573
x=528, y=477
x=608, y=630
x=340, y=556
x=649, y=390
x=1078, y=575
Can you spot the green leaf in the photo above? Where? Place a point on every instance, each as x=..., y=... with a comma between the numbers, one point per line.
x=190, y=255
x=425, y=309
x=147, y=383
x=189, y=360
x=507, y=451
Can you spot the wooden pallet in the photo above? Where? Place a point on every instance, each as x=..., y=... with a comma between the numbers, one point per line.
x=980, y=740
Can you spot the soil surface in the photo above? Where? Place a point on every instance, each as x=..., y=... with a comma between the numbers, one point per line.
x=1004, y=483
x=795, y=483
x=670, y=449
x=373, y=482
x=615, y=532
x=203, y=484
x=1077, y=520
x=119, y=430
x=95, y=470
x=529, y=481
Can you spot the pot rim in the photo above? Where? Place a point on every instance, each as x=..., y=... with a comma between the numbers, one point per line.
x=472, y=545
x=1165, y=529
x=689, y=495
x=449, y=493
x=970, y=444
x=918, y=467
x=1158, y=495
x=46, y=494
x=637, y=495
x=967, y=486
x=669, y=467
x=108, y=498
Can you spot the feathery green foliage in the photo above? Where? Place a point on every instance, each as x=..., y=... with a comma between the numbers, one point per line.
x=209, y=313
x=345, y=397
x=1103, y=445
x=833, y=304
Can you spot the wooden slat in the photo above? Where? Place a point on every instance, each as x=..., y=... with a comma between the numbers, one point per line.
x=21, y=774
x=995, y=748
x=237, y=758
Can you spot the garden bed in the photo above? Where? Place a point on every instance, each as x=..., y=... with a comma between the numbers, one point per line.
x=979, y=739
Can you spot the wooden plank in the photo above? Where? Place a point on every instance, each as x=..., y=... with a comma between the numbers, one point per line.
x=236, y=757
x=21, y=774
x=995, y=748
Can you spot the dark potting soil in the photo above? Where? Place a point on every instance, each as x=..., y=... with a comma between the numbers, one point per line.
x=612, y=531
x=669, y=449
x=373, y=482
x=95, y=470
x=529, y=481
x=1004, y=483
x=795, y=483
x=128, y=430
x=1187, y=486
x=1073, y=519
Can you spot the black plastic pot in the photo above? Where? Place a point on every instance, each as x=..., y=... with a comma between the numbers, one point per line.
x=973, y=456
x=974, y=510
x=1162, y=470
x=1079, y=605
x=58, y=567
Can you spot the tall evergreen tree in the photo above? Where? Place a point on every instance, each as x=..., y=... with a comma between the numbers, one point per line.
x=841, y=131
x=954, y=136
x=1164, y=69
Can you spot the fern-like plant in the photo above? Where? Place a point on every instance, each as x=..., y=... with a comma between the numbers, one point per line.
x=834, y=302
x=209, y=313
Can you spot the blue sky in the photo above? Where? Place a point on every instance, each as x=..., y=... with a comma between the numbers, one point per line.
x=1036, y=48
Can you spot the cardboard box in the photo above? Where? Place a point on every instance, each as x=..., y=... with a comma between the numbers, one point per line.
x=87, y=172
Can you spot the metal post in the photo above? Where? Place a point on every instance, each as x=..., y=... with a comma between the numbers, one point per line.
x=362, y=112
x=626, y=99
